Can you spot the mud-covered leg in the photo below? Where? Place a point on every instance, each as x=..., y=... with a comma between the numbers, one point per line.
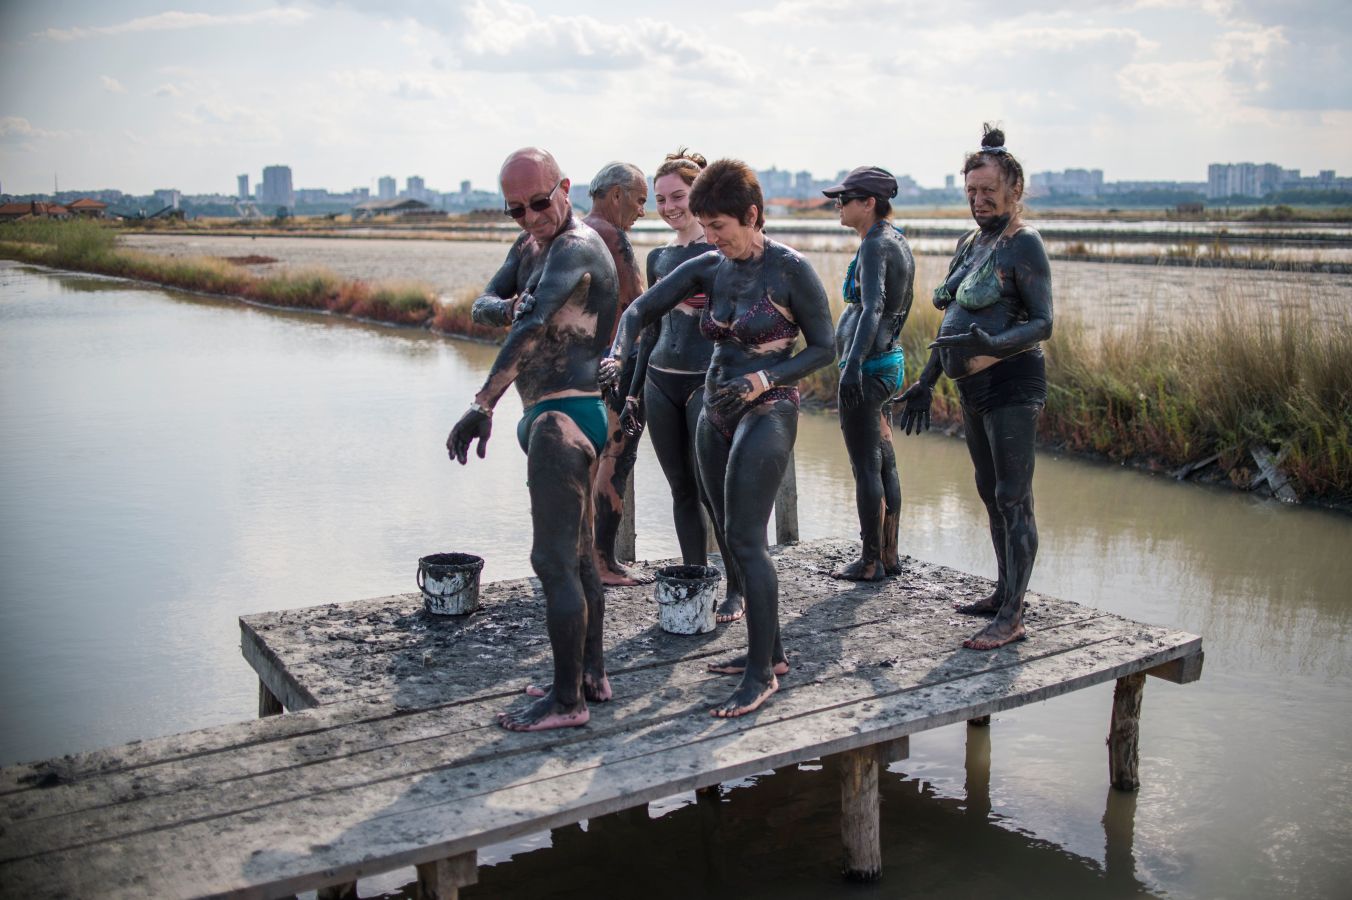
x=560, y=463
x=1011, y=431
x=891, y=493
x=612, y=474
x=756, y=463
x=672, y=431
x=979, y=448
x=711, y=452
x=860, y=427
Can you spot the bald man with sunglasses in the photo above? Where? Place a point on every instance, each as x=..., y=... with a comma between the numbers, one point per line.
x=559, y=291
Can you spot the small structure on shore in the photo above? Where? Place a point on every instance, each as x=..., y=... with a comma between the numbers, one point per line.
x=405, y=208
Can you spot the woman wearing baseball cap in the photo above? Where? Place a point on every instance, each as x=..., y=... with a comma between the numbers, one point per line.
x=878, y=290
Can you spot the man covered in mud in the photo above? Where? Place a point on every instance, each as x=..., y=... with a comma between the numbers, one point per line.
x=557, y=289
x=618, y=193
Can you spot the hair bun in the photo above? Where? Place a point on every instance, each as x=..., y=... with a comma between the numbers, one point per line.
x=685, y=153
x=991, y=136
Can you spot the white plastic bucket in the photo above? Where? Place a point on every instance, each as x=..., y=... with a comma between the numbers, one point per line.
x=450, y=583
x=685, y=598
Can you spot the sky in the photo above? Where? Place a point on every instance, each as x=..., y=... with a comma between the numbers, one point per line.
x=140, y=95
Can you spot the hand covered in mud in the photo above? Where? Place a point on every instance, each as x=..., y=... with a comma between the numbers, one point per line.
x=525, y=305
x=976, y=339
x=851, y=386
x=916, y=411
x=608, y=375
x=491, y=310
x=731, y=396
x=631, y=419
x=473, y=424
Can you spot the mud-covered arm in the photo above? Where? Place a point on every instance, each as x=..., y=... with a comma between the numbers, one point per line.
x=496, y=304
x=917, y=399
x=567, y=268
x=812, y=312
x=688, y=279
x=872, y=277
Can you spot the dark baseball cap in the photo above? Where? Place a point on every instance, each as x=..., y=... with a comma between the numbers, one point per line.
x=866, y=180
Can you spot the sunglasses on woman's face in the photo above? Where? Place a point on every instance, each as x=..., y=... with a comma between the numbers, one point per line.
x=846, y=198
x=517, y=212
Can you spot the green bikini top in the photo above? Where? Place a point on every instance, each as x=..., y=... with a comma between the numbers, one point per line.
x=979, y=289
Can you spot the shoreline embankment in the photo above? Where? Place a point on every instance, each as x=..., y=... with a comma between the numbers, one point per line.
x=1239, y=397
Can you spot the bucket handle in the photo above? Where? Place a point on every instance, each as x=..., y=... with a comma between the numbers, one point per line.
x=421, y=584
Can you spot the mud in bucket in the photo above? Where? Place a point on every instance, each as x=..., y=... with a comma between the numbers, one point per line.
x=450, y=583
x=685, y=598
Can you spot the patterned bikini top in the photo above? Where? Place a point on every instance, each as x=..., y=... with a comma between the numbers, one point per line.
x=762, y=323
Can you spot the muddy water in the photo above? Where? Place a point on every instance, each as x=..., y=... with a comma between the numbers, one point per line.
x=168, y=463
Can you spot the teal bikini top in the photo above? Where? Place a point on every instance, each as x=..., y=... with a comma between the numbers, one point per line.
x=850, y=289
x=979, y=289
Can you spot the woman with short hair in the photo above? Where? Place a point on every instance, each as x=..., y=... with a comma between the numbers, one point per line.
x=762, y=296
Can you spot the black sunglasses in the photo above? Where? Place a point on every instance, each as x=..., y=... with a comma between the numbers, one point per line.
x=846, y=198
x=517, y=212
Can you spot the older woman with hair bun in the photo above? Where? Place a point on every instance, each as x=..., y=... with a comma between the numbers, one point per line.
x=997, y=303
x=761, y=296
x=673, y=361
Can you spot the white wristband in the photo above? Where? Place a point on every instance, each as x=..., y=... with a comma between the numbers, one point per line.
x=765, y=380
x=481, y=409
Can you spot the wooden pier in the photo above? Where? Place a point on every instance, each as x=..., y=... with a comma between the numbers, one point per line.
x=390, y=755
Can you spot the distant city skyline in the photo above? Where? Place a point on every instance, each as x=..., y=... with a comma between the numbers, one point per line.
x=150, y=94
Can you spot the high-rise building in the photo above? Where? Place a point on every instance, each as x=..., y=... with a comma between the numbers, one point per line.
x=168, y=197
x=385, y=187
x=464, y=187
x=417, y=188
x=275, y=189
x=243, y=192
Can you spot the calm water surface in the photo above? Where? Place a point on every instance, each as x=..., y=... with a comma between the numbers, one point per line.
x=168, y=463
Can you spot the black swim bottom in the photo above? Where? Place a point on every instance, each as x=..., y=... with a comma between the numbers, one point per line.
x=676, y=387
x=1018, y=380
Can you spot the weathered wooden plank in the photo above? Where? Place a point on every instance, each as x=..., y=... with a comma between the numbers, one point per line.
x=490, y=758
x=392, y=743
x=626, y=539
x=1124, y=732
x=410, y=821
x=1181, y=671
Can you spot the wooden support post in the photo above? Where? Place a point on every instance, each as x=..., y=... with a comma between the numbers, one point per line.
x=1180, y=671
x=979, y=721
x=894, y=750
x=625, y=541
x=859, y=814
x=443, y=878
x=977, y=766
x=1124, y=732
x=786, y=506
x=344, y=891
x=268, y=704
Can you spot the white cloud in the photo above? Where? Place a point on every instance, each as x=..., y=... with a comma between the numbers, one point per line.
x=112, y=85
x=168, y=90
x=17, y=128
x=506, y=36
x=176, y=21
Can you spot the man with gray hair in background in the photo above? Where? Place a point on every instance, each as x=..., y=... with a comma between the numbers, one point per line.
x=618, y=192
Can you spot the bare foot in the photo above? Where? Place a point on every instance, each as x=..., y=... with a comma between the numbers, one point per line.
x=595, y=691
x=861, y=570
x=747, y=698
x=615, y=575
x=996, y=634
x=986, y=606
x=893, y=567
x=731, y=609
x=737, y=665
x=544, y=714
